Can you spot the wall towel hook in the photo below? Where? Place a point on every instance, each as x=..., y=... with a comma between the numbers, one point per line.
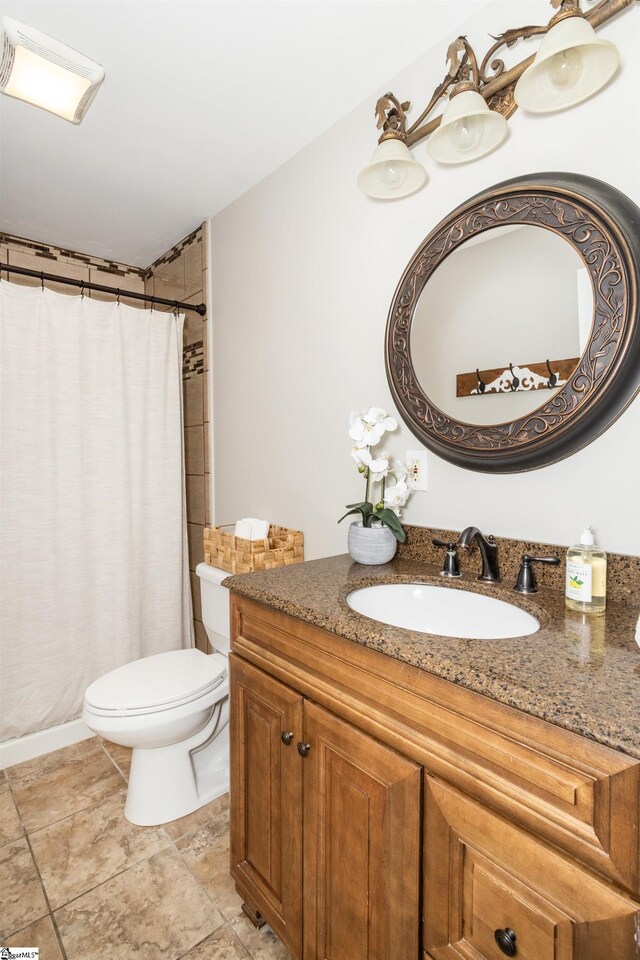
x=515, y=382
x=481, y=384
x=553, y=379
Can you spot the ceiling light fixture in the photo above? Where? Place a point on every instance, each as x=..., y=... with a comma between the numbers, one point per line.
x=49, y=74
x=571, y=64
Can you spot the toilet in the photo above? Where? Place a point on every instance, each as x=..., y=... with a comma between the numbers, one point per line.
x=173, y=710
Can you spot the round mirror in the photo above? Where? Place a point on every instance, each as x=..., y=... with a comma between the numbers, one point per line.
x=513, y=337
x=493, y=313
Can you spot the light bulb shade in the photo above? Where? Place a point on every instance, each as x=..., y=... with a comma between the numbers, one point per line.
x=468, y=130
x=393, y=172
x=571, y=64
x=49, y=74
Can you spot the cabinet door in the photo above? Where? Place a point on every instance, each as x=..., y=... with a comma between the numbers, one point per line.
x=361, y=845
x=491, y=890
x=266, y=799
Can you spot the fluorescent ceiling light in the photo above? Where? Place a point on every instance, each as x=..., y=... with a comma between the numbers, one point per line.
x=49, y=74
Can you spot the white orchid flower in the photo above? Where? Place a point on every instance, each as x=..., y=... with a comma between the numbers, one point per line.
x=365, y=434
x=398, y=469
x=378, y=417
x=396, y=496
x=367, y=429
x=360, y=455
x=379, y=468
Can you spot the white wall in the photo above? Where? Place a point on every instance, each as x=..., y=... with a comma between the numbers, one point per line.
x=303, y=271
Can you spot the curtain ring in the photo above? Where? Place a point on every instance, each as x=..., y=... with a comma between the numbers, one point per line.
x=42, y=280
x=515, y=383
x=175, y=308
x=82, y=289
x=481, y=384
x=153, y=300
x=118, y=296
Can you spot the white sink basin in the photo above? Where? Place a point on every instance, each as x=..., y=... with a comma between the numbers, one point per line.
x=443, y=611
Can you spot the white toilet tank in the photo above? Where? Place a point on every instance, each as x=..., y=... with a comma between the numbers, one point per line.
x=215, y=606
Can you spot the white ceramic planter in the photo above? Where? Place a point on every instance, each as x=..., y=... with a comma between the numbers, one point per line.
x=371, y=544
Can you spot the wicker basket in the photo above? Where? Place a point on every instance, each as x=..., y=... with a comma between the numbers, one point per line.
x=236, y=555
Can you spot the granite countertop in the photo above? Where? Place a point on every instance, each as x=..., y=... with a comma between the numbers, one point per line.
x=579, y=672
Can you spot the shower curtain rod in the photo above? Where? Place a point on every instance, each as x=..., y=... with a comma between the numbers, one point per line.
x=85, y=285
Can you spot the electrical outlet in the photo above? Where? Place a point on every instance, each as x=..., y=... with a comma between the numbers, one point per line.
x=416, y=463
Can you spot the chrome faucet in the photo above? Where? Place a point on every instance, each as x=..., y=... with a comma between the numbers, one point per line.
x=488, y=551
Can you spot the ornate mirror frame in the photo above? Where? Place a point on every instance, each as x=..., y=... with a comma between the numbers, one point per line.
x=603, y=226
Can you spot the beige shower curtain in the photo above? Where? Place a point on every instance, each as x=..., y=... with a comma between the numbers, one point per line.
x=94, y=570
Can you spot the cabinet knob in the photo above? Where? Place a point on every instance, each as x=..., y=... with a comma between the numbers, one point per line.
x=303, y=749
x=506, y=940
x=286, y=737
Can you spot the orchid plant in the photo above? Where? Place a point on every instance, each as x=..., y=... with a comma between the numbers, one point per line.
x=366, y=431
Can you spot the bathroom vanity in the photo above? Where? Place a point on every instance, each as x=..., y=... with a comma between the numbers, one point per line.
x=397, y=795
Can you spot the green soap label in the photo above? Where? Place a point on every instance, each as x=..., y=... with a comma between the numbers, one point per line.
x=579, y=581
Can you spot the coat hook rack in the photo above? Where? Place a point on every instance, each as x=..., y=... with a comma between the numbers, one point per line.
x=516, y=378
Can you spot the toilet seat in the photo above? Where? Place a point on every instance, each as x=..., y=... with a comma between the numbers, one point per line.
x=160, y=682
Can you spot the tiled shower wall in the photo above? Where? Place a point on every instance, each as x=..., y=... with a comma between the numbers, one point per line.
x=180, y=274
x=18, y=252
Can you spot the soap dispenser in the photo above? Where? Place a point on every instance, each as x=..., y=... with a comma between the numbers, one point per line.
x=586, y=585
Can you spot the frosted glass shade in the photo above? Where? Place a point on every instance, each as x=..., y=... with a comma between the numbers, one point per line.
x=49, y=74
x=468, y=130
x=393, y=172
x=571, y=64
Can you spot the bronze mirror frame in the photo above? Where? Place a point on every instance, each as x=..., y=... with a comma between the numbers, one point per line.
x=603, y=226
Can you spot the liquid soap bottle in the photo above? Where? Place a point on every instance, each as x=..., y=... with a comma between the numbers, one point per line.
x=586, y=586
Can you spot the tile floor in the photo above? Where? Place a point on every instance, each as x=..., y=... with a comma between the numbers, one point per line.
x=80, y=882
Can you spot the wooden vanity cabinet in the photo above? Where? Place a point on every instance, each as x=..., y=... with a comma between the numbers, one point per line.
x=266, y=786
x=486, y=880
x=325, y=824
x=523, y=830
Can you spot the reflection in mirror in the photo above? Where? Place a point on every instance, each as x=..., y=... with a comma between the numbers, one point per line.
x=500, y=306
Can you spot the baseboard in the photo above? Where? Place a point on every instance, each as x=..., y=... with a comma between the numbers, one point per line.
x=43, y=741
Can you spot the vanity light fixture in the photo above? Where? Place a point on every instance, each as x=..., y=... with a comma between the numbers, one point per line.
x=45, y=72
x=469, y=129
x=393, y=171
x=571, y=64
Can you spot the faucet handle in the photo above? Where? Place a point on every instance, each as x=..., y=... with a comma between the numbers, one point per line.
x=526, y=582
x=451, y=567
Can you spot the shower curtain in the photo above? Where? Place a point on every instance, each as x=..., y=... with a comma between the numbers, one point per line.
x=93, y=557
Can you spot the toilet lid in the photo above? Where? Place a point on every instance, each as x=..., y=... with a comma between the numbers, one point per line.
x=163, y=680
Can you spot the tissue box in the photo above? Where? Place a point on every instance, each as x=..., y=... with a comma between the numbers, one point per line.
x=235, y=555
